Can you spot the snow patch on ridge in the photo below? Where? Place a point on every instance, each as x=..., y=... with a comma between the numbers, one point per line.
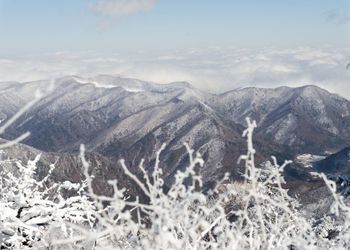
x=107, y=86
x=87, y=81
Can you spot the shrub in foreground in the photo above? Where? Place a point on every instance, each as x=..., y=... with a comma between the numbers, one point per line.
x=255, y=214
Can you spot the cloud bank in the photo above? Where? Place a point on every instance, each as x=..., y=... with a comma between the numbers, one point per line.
x=120, y=8
x=214, y=69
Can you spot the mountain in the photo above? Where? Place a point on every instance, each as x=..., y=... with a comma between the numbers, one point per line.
x=337, y=164
x=128, y=118
x=131, y=119
x=307, y=119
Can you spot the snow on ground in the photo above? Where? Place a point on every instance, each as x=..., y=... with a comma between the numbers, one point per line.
x=307, y=159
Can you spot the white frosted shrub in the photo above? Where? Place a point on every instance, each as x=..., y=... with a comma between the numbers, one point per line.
x=185, y=218
x=29, y=207
x=256, y=213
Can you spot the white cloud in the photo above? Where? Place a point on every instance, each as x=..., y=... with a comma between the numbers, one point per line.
x=120, y=8
x=216, y=69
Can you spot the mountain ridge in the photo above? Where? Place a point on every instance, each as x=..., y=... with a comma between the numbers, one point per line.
x=133, y=118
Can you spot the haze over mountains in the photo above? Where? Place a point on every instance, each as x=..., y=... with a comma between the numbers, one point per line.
x=127, y=118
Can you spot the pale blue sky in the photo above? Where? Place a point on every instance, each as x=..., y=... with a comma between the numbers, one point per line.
x=215, y=45
x=42, y=26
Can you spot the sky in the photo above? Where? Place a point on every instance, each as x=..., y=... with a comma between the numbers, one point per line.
x=214, y=44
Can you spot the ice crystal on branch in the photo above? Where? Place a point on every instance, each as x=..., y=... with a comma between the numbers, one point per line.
x=184, y=218
x=30, y=206
x=256, y=213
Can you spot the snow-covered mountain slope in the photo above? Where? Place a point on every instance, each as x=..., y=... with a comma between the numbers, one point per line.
x=119, y=123
x=307, y=118
x=335, y=164
x=129, y=118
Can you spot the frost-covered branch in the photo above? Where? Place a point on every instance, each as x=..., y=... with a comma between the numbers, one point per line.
x=256, y=213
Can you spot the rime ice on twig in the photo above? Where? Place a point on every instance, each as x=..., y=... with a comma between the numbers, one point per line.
x=185, y=218
x=257, y=213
